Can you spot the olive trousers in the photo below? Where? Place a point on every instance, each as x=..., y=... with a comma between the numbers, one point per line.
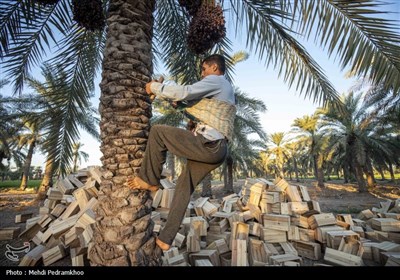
x=202, y=156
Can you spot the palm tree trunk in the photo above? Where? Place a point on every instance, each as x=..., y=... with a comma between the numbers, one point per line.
x=206, y=188
x=320, y=177
x=296, y=170
x=75, y=163
x=369, y=173
x=228, y=187
x=346, y=173
x=123, y=234
x=315, y=158
x=281, y=173
x=380, y=170
x=320, y=172
x=47, y=180
x=27, y=166
x=225, y=172
x=392, y=178
x=360, y=178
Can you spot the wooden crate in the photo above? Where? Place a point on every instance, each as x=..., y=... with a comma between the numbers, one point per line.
x=21, y=218
x=386, y=224
x=281, y=259
x=310, y=250
x=293, y=194
x=9, y=233
x=273, y=236
x=299, y=221
x=210, y=255
x=257, y=254
x=321, y=232
x=334, y=238
x=351, y=245
x=239, y=253
x=276, y=222
x=220, y=245
x=307, y=234
x=54, y=254
x=298, y=207
x=33, y=257
x=341, y=258
x=293, y=233
x=319, y=220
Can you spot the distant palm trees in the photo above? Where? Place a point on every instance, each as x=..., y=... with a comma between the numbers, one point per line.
x=307, y=132
x=355, y=139
x=77, y=155
x=31, y=138
x=57, y=115
x=362, y=137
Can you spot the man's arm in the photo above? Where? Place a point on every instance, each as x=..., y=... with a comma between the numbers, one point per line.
x=208, y=86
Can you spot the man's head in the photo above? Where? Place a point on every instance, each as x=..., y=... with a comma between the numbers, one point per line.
x=213, y=65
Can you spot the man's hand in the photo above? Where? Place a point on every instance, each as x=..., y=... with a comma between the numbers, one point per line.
x=148, y=87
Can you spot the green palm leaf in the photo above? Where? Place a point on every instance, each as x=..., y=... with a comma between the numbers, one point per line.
x=367, y=44
x=271, y=39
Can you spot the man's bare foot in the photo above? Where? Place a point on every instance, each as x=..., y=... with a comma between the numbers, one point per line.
x=137, y=183
x=162, y=245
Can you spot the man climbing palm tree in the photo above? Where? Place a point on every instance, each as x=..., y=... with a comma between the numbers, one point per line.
x=205, y=147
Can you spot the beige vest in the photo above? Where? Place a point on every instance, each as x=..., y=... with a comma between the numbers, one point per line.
x=215, y=113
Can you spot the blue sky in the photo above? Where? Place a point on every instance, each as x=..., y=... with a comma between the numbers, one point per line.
x=251, y=76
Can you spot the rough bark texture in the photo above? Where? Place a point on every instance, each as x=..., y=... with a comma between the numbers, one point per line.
x=369, y=173
x=27, y=166
x=47, y=180
x=123, y=234
x=392, y=178
x=319, y=171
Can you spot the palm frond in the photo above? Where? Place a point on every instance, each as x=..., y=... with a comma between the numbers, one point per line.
x=80, y=55
x=32, y=37
x=361, y=40
x=274, y=44
x=11, y=14
x=63, y=111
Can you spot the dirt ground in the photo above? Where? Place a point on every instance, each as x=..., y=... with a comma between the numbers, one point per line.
x=336, y=197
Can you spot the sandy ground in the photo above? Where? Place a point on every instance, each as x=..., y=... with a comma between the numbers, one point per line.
x=335, y=197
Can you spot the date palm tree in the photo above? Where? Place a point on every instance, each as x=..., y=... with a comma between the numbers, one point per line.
x=31, y=138
x=362, y=134
x=277, y=151
x=346, y=29
x=10, y=129
x=307, y=132
x=78, y=155
x=60, y=113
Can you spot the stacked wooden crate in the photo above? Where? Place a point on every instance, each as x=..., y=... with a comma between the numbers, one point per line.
x=278, y=224
x=64, y=224
x=268, y=224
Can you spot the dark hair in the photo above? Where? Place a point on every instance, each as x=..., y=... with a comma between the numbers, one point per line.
x=217, y=59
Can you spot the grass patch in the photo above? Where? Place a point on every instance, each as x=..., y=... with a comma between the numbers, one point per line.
x=14, y=184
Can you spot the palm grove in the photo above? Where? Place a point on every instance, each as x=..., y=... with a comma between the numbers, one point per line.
x=75, y=40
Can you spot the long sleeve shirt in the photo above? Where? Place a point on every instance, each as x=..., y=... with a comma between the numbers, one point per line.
x=211, y=86
x=214, y=86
